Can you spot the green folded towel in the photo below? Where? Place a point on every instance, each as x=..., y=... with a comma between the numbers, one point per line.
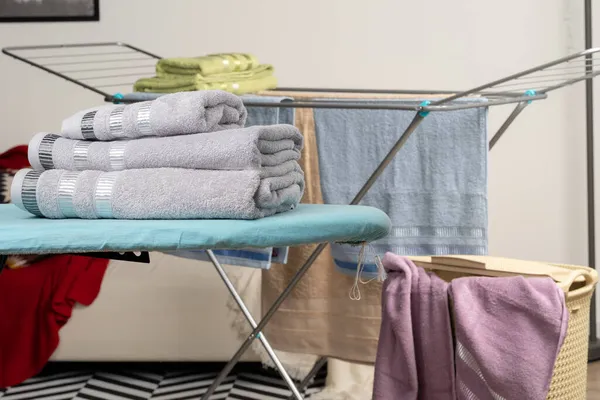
x=253, y=73
x=172, y=83
x=238, y=73
x=207, y=65
x=253, y=80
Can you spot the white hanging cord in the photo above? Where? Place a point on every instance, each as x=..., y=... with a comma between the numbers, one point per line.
x=381, y=274
x=355, y=290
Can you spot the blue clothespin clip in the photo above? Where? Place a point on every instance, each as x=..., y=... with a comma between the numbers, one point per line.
x=530, y=92
x=117, y=97
x=424, y=104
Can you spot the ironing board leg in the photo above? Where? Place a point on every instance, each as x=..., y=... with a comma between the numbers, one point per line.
x=418, y=118
x=260, y=326
x=261, y=336
x=311, y=374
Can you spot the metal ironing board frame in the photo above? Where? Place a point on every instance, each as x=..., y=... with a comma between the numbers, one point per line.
x=520, y=89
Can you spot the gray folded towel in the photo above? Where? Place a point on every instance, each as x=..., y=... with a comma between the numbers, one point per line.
x=256, y=115
x=247, y=257
x=259, y=147
x=164, y=193
x=173, y=114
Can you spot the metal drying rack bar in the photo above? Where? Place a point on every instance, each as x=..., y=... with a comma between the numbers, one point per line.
x=99, y=67
x=116, y=66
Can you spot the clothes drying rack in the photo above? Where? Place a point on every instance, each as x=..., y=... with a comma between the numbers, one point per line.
x=112, y=67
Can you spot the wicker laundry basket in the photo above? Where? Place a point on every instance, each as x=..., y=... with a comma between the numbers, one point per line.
x=569, y=380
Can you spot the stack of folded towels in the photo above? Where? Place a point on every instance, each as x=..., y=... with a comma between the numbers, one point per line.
x=232, y=72
x=182, y=156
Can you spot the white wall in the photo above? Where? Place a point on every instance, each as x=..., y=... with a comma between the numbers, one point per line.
x=537, y=171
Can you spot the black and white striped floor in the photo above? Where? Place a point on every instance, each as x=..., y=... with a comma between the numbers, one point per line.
x=144, y=382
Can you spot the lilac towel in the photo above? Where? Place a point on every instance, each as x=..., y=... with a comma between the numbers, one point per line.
x=415, y=358
x=508, y=334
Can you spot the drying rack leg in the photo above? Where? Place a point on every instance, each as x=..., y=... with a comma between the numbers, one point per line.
x=261, y=336
x=520, y=107
x=311, y=259
x=311, y=374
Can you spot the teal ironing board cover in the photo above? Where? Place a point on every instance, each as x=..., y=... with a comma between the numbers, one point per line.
x=22, y=233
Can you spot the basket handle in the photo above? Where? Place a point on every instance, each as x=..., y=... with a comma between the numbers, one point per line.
x=590, y=282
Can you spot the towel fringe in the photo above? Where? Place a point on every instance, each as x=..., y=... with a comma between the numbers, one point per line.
x=381, y=274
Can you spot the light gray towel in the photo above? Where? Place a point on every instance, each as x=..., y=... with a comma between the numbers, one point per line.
x=163, y=193
x=268, y=115
x=173, y=114
x=256, y=115
x=268, y=148
x=435, y=189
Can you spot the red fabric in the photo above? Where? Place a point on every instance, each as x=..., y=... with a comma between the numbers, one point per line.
x=35, y=302
x=15, y=158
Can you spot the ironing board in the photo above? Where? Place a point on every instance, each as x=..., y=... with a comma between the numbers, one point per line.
x=22, y=233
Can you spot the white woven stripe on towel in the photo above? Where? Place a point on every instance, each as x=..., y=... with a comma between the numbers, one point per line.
x=467, y=392
x=436, y=231
x=117, y=155
x=470, y=361
x=80, y=154
x=143, y=119
x=115, y=122
x=103, y=194
x=66, y=191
